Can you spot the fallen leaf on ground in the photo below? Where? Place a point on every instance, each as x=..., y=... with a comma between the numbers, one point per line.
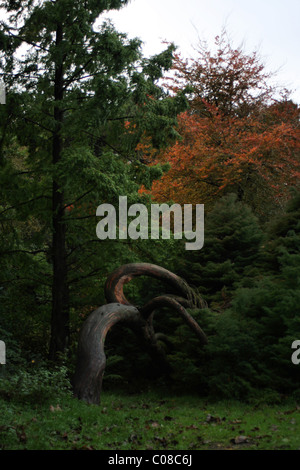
x=214, y=419
x=239, y=440
x=155, y=424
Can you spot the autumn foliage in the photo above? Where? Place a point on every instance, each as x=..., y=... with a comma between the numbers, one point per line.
x=240, y=134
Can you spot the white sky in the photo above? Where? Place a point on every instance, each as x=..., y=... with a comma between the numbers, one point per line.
x=270, y=26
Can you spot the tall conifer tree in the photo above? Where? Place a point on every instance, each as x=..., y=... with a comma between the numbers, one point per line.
x=70, y=87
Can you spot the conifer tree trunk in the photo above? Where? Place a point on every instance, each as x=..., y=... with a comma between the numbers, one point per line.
x=60, y=297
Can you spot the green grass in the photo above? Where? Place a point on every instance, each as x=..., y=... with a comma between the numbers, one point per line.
x=148, y=421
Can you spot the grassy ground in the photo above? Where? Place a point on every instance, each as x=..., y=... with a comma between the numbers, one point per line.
x=148, y=421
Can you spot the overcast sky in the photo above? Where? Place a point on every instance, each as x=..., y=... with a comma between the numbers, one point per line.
x=270, y=26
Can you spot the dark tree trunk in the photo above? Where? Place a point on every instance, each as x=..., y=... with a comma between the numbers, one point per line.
x=60, y=296
x=87, y=381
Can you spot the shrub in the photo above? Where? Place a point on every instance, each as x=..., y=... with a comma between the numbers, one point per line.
x=36, y=386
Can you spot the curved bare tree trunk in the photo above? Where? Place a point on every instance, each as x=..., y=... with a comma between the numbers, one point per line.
x=115, y=283
x=166, y=301
x=91, y=361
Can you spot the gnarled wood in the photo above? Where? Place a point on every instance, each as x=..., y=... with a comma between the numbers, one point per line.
x=119, y=277
x=91, y=359
x=166, y=301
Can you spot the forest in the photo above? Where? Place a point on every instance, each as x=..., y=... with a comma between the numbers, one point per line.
x=88, y=119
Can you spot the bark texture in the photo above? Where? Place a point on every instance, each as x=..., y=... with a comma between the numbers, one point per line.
x=122, y=275
x=91, y=359
x=60, y=292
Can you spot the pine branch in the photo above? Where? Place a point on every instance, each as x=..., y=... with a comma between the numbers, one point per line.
x=76, y=218
x=77, y=247
x=38, y=124
x=22, y=38
x=17, y=279
x=109, y=145
x=90, y=274
x=79, y=198
x=76, y=73
x=24, y=203
x=22, y=251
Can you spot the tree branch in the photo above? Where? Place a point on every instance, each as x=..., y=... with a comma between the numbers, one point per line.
x=76, y=73
x=24, y=203
x=22, y=38
x=79, y=198
x=22, y=251
x=38, y=124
